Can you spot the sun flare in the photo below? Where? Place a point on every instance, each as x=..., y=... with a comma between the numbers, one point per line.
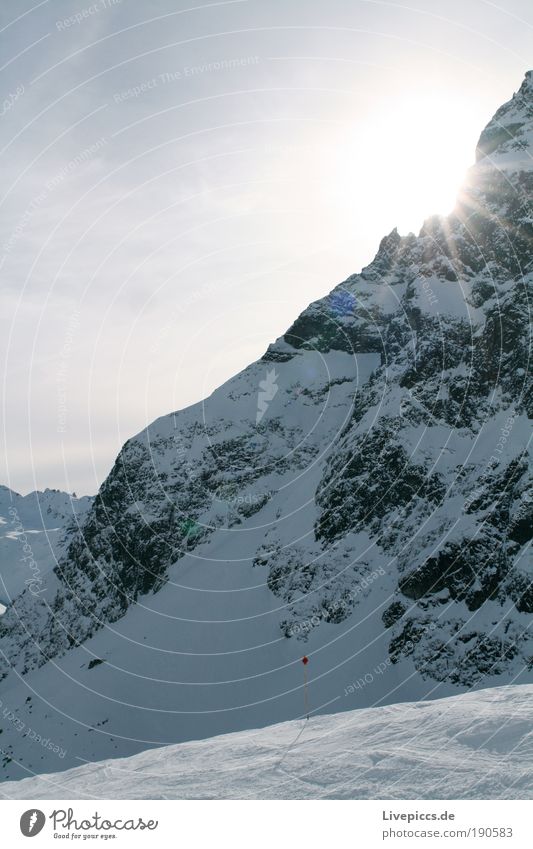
x=406, y=164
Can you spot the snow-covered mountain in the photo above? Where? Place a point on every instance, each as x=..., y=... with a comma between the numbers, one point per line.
x=473, y=746
x=359, y=494
x=32, y=529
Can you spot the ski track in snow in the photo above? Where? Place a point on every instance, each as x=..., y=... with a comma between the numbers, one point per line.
x=478, y=745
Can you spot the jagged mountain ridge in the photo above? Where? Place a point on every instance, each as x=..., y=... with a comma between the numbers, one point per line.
x=366, y=480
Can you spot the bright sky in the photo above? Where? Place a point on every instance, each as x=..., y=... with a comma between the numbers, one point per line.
x=178, y=184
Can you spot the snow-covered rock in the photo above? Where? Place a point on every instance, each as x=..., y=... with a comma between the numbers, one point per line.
x=360, y=494
x=473, y=746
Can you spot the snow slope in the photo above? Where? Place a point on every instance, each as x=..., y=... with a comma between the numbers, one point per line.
x=473, y=746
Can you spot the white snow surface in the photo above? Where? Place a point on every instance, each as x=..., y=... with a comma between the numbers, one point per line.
x=473, y=746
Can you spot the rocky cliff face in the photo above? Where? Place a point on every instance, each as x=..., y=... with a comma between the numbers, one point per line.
x=372, y=464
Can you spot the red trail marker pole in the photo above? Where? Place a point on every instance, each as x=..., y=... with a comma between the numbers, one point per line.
x=305, y=661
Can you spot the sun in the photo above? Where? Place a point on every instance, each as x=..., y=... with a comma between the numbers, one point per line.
x=406, y=162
